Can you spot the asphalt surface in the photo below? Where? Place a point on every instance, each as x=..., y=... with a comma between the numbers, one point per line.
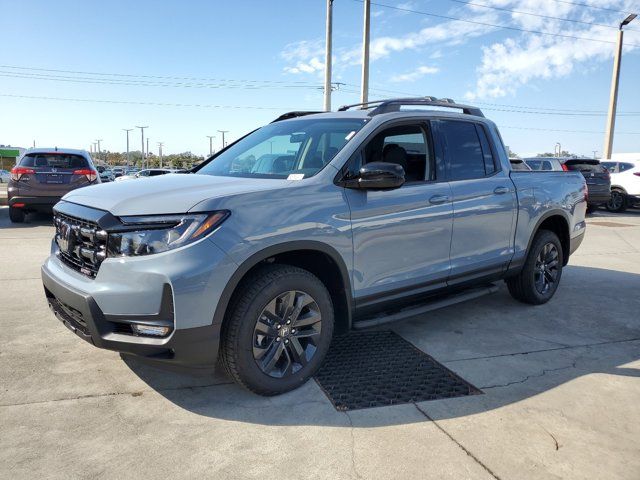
x=560, y=387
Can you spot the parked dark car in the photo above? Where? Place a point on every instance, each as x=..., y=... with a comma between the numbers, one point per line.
x=597, y=177
x=43, y=175
x=106, y=174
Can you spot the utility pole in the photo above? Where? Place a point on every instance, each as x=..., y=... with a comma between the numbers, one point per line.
x=127, y=130
x=364, y=95
x=557, y=149
x=211, y=137
x=223, y=132
x=146, y=164
x=98, y=140
x=160, y=152
x=327, y=57
x=595, y=156
x=142, y=138
x=613, y=98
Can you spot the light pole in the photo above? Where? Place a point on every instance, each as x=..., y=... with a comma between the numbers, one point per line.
x=557, y=149
x=127, y=130
x=142, y=139
x=327, y=58
x=223, y=132
x=98, y=140
x=160, y=152
x=364, y=95
x=211, y=137
x=146, y=164
x=613, y=98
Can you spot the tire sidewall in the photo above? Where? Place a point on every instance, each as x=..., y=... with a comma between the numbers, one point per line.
x=248, y=369
x=543, y=238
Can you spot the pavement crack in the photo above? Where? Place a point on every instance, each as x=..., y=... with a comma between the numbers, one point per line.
x=135, y=393
x=353, y=447
x=552, y=436
x=529, y=377
x=469, y=453
x=542, y=350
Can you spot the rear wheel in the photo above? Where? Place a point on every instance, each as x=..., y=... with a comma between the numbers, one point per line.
x=538, y=281
x=618, y=201
x=279, y=330
x=16, y=215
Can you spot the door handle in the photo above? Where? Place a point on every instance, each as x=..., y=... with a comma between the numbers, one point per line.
x=439, y=199
x=501, y=190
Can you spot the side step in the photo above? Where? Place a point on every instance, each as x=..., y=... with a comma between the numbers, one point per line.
x=420, y=308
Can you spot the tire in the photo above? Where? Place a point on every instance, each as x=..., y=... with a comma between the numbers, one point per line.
x=255, y=331
x=526, y=286
x=16, y=215
x=618, y=202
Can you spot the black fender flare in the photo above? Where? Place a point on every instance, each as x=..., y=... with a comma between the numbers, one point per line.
x=290, y=246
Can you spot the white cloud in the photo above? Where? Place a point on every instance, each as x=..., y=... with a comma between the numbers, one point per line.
x=306, y=56
x=415, y=74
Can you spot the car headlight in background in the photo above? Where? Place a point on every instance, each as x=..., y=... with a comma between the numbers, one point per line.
x=145, y=235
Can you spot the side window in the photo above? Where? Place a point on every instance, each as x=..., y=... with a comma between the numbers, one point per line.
x=626, y=166
x=489, y=162
x=464, y=152
x=406, y=145
x=144, y=173
x=610, y=166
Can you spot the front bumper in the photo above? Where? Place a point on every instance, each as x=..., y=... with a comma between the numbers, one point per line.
x=80, y=313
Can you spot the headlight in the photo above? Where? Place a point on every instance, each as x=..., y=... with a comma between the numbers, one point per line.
x=146, y=235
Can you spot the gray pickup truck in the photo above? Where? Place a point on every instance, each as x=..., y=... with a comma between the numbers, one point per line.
x=308, y=227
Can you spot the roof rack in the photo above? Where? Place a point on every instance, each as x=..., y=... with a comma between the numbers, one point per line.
x=394, y=104
x=288, y=115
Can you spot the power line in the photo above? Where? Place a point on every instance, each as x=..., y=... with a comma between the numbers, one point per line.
x=565, y=131
x=548, y=17
x=578, y=4
x=111, y=74
x=494, y=25
x=159, y=104
x=144, y=83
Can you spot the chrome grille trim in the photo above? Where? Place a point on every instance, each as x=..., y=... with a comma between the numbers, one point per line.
x=82, y=243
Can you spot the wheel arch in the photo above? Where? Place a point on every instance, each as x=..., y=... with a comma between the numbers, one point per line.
x=556, y=221
x=319, y=258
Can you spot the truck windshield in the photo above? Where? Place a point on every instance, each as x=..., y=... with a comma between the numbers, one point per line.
x=298, y=147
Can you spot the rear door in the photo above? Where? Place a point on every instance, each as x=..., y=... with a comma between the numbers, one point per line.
x=54, y=173
x=484, y=202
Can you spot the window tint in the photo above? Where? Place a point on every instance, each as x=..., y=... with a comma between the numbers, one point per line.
x=611, y=166
x=540, y=164
x=626, y=166
x=53, y=160
x=489, y=161
x=405, y=145
x=464, y=152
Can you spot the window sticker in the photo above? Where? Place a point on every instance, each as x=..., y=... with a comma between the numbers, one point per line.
x=350, y=136
x=295, y=176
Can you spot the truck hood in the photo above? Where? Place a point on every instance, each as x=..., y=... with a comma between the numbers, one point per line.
x=166, y=194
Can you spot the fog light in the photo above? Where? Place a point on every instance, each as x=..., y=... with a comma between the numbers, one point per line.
x=150, y=330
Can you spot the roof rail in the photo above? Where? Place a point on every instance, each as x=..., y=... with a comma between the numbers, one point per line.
x=288, y=115
x=394, y=104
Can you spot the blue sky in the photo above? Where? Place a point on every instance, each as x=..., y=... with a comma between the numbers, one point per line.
x=257, y=59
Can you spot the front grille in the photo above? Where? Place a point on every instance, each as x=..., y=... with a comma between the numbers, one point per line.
x=82, y=243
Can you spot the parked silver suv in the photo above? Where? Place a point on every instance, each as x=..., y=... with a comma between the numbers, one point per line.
x=43, y=175
x=311, y=225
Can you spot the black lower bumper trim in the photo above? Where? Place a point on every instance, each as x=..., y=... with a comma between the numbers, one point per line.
x=34, y=203
x=80, y=313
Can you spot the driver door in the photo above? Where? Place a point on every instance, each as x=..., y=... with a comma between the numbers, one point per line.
x=401, y=237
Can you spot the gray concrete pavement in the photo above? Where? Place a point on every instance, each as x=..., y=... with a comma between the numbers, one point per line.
x=560, y=382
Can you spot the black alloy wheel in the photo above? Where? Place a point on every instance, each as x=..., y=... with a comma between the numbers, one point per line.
x=286, y=333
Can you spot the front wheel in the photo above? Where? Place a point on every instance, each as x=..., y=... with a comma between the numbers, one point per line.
x=16, y=215
x=278, y=331
x=539, y=279
x=618, y=202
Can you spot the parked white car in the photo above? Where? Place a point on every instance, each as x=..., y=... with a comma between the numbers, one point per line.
x=625, y=183
x=4, y=176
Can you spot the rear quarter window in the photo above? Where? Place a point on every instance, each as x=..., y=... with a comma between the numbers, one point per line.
x=54, y=160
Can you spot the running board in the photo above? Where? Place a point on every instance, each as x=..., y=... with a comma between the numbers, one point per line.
x=419, y=309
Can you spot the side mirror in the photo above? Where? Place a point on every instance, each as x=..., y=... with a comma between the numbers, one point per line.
x=379, y=176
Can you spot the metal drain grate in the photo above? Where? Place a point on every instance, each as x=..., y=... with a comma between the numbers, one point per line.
x=380, y=368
